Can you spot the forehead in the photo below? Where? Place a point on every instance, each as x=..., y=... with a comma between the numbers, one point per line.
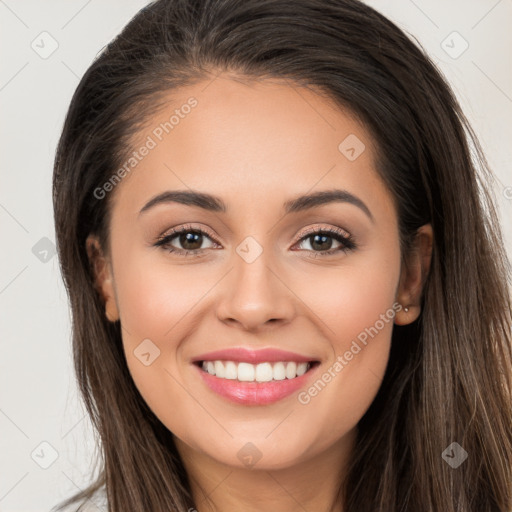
x=260, y=139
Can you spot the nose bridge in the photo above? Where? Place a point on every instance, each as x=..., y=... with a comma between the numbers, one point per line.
x=255, y=294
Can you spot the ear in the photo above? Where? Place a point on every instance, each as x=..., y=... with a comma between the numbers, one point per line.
x=413, y=275
x=103, y=278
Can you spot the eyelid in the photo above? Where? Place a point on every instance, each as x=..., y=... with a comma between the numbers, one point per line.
x=304, y=234
x=342, y=236
x=333, y=232
x=316, y=229
x=186, y=227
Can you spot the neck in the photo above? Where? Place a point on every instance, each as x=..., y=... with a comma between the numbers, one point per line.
x=311, y=484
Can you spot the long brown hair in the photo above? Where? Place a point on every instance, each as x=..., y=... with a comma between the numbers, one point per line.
x=449, y=374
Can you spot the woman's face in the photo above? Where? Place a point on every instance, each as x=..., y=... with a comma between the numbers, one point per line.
x=261, y=277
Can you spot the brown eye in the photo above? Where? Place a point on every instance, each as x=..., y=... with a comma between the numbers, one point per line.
x=190, y=241
x=185, y=241
x=321, y=241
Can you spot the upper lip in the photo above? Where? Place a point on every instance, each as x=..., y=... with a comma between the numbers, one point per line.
x=247, y=355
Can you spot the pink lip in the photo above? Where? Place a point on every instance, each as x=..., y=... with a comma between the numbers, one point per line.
x=246, y=355
x=255, y=393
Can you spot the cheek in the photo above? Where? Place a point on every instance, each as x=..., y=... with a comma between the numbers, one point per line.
x=154, y=298
x=356, y=309
x=348, y=299
x=156, y=302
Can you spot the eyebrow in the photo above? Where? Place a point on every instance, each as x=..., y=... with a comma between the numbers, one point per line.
x=216, y=204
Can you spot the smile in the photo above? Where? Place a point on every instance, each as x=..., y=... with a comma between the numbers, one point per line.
x=255, y=384
x=262, y=372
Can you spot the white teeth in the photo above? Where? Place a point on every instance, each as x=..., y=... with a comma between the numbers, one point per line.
x=279, y=371
x=219, y=369
x=302, y=368
x=291, y=370
x=231, y=370
x=246, y=372
x=262, y=372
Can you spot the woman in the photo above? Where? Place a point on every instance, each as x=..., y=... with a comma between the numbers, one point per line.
x=287, y=278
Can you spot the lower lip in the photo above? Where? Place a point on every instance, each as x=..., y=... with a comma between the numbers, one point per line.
x=255, y=393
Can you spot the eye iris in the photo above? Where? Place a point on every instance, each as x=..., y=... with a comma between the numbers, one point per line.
x=190, y=238
x=316, y=245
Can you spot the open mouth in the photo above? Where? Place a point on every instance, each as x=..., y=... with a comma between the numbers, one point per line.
x=261, y=372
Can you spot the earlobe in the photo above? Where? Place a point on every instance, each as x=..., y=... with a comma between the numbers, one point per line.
x=414, y=273
x=103, y=279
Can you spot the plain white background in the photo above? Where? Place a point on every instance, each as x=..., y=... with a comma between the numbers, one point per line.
x=42, y=422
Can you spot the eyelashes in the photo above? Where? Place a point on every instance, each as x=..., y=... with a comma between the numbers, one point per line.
x=165, y=241
x=319, y=236
x=189, y=235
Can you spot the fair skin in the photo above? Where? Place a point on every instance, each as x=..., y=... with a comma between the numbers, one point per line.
x=256, y=145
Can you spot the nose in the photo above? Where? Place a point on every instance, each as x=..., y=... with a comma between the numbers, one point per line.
x=255, y=297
